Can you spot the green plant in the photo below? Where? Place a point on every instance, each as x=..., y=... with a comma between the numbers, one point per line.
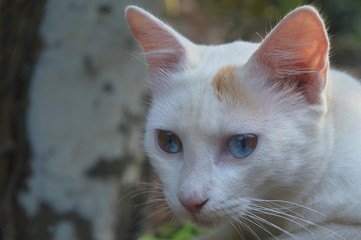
x=187, y=231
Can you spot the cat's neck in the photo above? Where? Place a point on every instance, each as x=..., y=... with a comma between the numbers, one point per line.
x=341, y=179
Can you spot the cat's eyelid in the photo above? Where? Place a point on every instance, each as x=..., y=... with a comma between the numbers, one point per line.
x=156, y=130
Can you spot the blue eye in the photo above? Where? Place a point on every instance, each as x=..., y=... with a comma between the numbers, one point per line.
x=242, y=145
x=169, y=142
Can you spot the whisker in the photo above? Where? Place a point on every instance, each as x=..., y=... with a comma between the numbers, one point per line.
x=279, y=206
x=145, y=192
x=240, y=233
x=166, y=216
x=137, y=192
x=291, y=203
x=293, y=219
x=243, y=224
x=150, y=202
x=279, y=214
x=164, y=209
x=149, y=206
x=214, y=223
x=273, y=225
x=259, y=225
x=150, y=184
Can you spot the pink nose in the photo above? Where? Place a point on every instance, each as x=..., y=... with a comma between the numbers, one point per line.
x=193, y=204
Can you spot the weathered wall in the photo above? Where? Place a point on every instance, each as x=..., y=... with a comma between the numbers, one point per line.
x=84, y=123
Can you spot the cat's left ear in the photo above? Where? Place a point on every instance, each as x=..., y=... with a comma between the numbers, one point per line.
x=164, y=48
x=295, y=53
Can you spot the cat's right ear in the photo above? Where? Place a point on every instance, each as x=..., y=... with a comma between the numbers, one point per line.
x=164, y=48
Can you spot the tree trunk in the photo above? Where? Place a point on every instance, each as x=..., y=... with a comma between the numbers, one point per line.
x=82, y=115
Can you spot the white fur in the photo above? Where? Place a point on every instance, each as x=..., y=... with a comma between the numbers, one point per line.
x=307, y=163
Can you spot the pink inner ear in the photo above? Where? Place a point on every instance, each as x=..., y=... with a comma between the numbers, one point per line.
x=160, y=44
x=297, y=50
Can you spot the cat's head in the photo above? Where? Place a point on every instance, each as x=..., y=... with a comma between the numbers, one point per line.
x=238, y=123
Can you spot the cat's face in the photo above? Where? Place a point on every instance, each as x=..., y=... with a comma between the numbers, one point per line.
x=235, y=124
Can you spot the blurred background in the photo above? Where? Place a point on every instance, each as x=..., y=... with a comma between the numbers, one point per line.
x=73, y=102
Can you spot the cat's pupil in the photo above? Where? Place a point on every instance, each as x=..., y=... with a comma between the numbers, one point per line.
x=172, y=146
x=170, y=138
x=243, y=143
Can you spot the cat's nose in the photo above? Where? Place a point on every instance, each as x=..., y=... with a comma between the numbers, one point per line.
x=193, y=204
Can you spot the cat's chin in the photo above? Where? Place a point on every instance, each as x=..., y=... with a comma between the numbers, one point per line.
x=206, y=222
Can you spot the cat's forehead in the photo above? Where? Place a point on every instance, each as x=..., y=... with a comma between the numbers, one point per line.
x=216, y=57
x=205, y=106
x=200, y=98
x=218, y=73
x=200, y=107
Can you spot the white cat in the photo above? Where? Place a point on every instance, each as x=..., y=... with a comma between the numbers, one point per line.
x=263, y=141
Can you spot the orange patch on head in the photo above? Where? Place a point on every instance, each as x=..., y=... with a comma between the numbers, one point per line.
x=226, y=86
